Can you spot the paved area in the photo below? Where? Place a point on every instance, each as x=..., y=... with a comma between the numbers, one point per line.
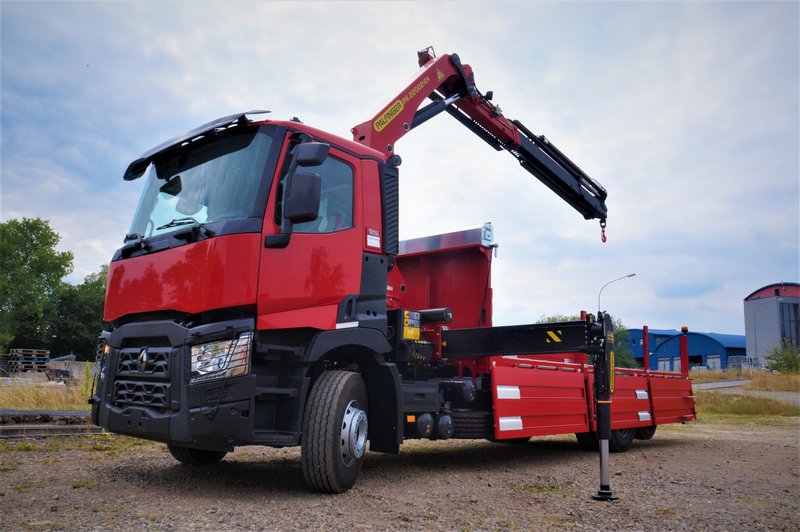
x=718, y=385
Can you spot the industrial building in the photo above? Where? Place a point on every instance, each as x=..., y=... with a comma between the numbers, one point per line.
x=771, y=315
x=706, y=350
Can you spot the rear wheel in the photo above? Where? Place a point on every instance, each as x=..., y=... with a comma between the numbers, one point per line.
x=621, y=440
x=189, y=456
x=472, y=424
x=334, y=432
x=645, y=433
x=587, y=441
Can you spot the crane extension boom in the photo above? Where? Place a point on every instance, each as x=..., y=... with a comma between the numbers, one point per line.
x=451, y=87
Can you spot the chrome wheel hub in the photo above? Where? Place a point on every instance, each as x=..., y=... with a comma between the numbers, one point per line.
x=354, y=433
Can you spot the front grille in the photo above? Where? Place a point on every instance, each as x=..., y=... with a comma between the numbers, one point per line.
x=143, y=378
x=150, y=394
x=152, y=364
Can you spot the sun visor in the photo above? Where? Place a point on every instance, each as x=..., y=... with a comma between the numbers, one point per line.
x=137, y=167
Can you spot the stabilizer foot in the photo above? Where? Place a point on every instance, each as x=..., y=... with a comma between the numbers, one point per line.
x=604, y=495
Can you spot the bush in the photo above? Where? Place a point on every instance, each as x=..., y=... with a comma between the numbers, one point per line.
x=785, y=358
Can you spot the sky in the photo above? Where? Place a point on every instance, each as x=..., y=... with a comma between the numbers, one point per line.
x=686, y=112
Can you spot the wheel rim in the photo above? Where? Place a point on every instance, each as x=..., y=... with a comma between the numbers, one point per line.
x=354, y=433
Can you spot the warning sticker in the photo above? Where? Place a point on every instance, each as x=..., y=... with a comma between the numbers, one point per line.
x=373, y=238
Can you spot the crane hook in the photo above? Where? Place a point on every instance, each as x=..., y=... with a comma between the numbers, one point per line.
x=603, y=231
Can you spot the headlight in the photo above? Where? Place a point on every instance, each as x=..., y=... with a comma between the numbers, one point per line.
x=216, y=360
x=101, y=360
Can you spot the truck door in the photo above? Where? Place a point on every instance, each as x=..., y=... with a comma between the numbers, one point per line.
x=302, y=284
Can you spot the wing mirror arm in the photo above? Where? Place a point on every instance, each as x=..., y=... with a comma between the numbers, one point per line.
x=279, y=240
x=302, y=193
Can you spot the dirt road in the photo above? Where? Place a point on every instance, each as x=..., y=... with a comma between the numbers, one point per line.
x=700, y=476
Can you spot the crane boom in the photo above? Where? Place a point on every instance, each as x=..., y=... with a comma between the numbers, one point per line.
x=450, y=86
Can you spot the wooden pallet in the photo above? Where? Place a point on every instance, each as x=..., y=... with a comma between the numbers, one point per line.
x=31, y=352
x=20, y=367
x=20, y=358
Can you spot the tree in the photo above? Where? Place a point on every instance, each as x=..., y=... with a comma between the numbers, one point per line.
x=77, y=317
x=623, y=356
x=785, y=358
x=30, y=277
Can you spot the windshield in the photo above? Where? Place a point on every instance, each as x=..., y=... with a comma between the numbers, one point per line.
x=210, y=179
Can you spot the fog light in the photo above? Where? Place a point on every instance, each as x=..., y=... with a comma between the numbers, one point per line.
x=217, y=360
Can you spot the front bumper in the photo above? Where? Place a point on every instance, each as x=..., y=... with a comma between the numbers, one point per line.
x=150, y=397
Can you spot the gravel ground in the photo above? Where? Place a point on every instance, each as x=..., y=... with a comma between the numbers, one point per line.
x=701, y=476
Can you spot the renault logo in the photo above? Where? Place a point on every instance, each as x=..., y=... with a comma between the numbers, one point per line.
x=142, y=360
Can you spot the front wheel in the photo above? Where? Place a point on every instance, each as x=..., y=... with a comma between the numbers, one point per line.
x=189, y=456
x=334, y=437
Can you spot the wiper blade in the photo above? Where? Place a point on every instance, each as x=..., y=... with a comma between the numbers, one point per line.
x=197, y=230
x=179, y=221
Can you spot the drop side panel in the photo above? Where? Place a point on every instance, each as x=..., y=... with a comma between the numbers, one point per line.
x=672, y=398
x=535, y=398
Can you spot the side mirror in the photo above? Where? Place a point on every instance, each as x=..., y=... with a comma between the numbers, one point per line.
x=301, y=203
x=311, y=153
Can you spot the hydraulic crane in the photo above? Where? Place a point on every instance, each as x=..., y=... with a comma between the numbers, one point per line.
x=451, y=87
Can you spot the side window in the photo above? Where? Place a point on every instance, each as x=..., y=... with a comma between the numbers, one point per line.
x=336, y=199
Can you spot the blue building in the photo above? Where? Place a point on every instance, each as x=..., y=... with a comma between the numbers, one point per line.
x=709, y=350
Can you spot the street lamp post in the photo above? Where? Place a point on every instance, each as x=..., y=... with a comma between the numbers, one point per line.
x=608, y=283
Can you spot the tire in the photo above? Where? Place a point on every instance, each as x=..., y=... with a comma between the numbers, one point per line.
x=645, y=433
x=334, y=437
x=195, y=457
x=621, y=440
x=587, y=441
x=472, y=425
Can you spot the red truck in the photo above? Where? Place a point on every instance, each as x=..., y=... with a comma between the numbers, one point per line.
x=262, y=297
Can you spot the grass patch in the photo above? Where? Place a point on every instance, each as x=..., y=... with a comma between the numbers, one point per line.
x=719, y=403
x=43, y=397
x=757, y=380
x=742, y=420
x=107, y=443
x=543, y=485
x=774, y=382
x=82, y=484
x=760, y=502
x=21, y=487
x=718, y=375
